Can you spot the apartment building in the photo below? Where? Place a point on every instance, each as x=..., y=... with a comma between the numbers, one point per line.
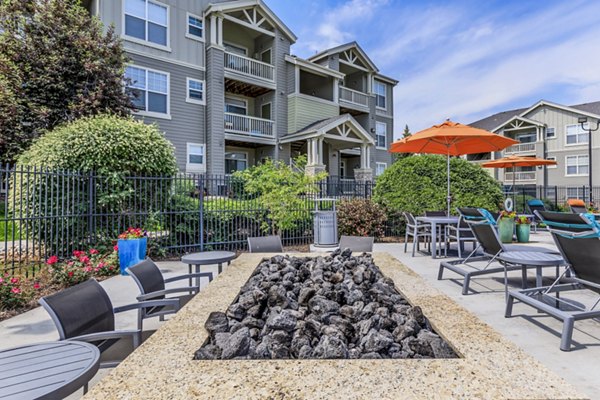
x=548, y=130
x=219, y=79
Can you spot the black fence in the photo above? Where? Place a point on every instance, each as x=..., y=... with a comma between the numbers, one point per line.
x=48, y=212
x=555, y=197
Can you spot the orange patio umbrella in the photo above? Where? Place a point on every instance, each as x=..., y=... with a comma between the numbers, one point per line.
x=517, y=161
x=452, y=139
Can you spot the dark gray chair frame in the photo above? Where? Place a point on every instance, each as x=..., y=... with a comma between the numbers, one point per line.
x=417, y=231
x=84, y=312
x=532, y=210
x=152, y=285
x=461, y=233
x=582, y=254
x=491, y=246
x=265, y=244
x=357, y=243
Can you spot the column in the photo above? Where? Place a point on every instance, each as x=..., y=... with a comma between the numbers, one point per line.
x=309, y=159
x=220, y=30
x=213, y=29
x=320, y=152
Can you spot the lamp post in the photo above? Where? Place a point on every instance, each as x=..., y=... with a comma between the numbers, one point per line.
x=582, y=121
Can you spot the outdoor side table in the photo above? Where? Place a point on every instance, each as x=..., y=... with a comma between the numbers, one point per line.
x=529, y=259
x=207, y=258
x=434, y=222
x=51, y=370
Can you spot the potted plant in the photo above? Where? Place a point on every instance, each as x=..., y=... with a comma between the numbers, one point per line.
x=523, y=229
x=131, y=248
x=506, y=226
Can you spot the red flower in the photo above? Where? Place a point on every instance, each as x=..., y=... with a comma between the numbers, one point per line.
x=78, y=253
x=36, y=285
x=70, y=273
x=16, y=290
x=116, y=248
x=14, y=280
x=94, y=251
x=1, y=280
x=52, y=260
x=85, y=259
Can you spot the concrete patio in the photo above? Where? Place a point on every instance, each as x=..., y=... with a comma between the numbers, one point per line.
x=536, y=334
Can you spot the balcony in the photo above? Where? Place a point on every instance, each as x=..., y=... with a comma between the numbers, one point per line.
x=520, y=176
x=249, y=67
x=354, y=99
x=262, y=130
x=521, y=148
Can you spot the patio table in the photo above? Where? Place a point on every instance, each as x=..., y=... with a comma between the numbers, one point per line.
x=207, y=258
x=51, y=370
x=526, y=259
x=435, y=222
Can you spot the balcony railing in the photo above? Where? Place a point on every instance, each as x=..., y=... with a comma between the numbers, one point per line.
x=520, y=148
x=519, y=176
x=354, y=96
x=249, y=66
x=251, y=126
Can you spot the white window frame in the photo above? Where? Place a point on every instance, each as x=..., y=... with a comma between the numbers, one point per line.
x=578, y=156
x=237, y=151
x=261, y=109
x=553, y=158
x=146, y=42
x=580, y=131
x=375, y=82
x=188, y=99
x=237, y=46
x=239, y=99
x=189, y=167
x=187, y=27
x=271, y=58
x=379, y=164
x=379, y=123
x=553, y=133
x=154, y=114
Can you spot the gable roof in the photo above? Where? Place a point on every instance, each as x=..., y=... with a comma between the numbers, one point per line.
x=344, y=47
x=235, y=5
x=321, y=127
x=499, y=119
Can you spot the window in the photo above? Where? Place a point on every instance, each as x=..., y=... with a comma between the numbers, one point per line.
x=553, y=159
x=232, y=48
x=149, y=90
x=195, y=27
x=529, y=137
x=576, y=193
x=381, y=135
x=236, y=106
x=380, y=94
x=577, y=165
x=146, y=20
x=550, y=133
x=576, y=135
x=195, y=158
x=195, y=91
x=235, y=161
x=379, y=168
x=265, y=111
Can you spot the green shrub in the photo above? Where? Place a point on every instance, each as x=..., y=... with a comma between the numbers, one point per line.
x=361, y=217
x=15, y=292
x=109, y=146
x=416, y=184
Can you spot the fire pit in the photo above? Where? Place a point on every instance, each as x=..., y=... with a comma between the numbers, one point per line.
x=488, y=366
x=331, y=307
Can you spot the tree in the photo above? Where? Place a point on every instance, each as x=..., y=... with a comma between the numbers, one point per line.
x=406, y=133
x=399, y=156
x=56, y=65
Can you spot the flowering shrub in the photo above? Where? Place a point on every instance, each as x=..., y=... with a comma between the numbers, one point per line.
x=361, y=217
x=523, y=220
x=81, y=266
x=507, y=214
x=133, y=233
x=15, y=292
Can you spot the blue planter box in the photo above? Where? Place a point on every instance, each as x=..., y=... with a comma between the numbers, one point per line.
x=131, y=252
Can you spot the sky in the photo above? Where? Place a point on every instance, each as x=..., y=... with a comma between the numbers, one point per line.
x=461, y=59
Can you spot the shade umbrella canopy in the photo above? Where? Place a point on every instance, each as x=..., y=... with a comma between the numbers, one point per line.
x=517, y=161
x=452, y=139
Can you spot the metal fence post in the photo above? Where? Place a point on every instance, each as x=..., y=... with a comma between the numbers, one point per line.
x=201, y=210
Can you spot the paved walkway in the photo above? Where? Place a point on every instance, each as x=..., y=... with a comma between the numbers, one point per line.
x=537, y=334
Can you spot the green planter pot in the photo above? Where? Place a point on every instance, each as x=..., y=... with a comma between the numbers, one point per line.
x=506, y=228
x=523, y=231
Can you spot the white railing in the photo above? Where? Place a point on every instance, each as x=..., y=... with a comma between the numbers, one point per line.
x=520, y=148
x=246, y=125
x=519, y=176
x=354, y=96
x=249, y=66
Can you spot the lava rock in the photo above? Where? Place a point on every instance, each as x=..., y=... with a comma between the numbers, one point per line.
x=237, y=345
x=282, y=321
x=216, y=322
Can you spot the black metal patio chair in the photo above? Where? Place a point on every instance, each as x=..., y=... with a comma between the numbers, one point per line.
x=416, y=231
x=578, y=239
x=535, y=205
x=84, y=312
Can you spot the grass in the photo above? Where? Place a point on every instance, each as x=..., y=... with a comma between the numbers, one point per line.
x=7, y=229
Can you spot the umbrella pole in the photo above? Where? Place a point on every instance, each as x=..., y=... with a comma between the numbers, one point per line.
x=514, y=189
x=448, y=178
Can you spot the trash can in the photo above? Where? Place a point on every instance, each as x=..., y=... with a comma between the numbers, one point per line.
x=325, y=224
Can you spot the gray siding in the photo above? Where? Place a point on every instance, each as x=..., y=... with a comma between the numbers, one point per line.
x=187, y=120
x=384, y=155
x=281, y=48
x=389, y=111
x=215, y=112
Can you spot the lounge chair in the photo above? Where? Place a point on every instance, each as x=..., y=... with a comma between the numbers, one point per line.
x=151, y=283
x=577, y=238
x=535, y=205
x=357, y=243
x=577, y=206
x=265, y=244
x=491, y=246
x=415, y=230
x=84, y=312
